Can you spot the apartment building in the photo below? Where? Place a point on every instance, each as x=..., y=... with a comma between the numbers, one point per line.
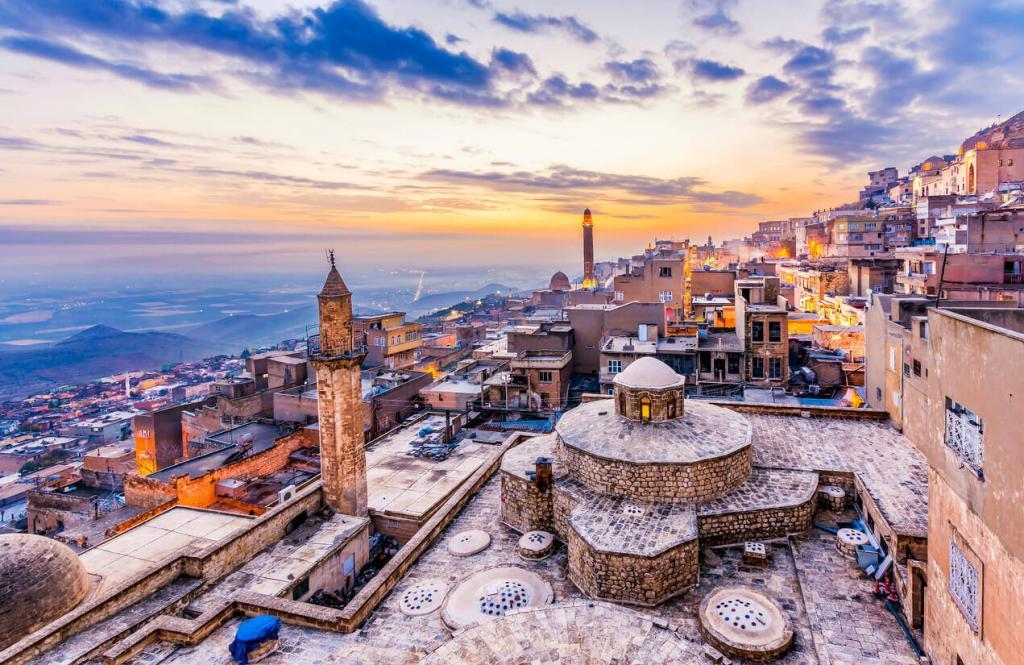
x=965, y=417
x=761, y=324
x=390, y=340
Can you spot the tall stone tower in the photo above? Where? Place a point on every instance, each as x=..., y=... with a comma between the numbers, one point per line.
x=337, y=361
x=589, y=281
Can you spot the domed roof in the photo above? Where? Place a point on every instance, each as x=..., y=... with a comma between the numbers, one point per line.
x=648, y=372
x=559, y=282
x=40, y=581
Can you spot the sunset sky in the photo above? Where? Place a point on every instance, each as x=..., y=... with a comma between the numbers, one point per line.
x=425, y=132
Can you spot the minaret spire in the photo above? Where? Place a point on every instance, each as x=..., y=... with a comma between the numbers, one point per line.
x=337, y=361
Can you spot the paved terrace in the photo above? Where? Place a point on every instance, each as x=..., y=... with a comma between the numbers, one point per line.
x=836, y=617
x=891, y=469
x=413, y=487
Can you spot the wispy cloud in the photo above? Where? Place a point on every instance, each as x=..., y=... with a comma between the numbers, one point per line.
x=713, y=15
x=568, y=182
x=533, y=23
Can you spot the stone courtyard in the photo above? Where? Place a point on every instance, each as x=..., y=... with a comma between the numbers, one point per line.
x=836, y=617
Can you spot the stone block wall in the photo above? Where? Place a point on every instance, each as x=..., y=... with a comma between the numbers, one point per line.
x=700, y=481
x=737, y=527
x=632, y=579
x=523, y=506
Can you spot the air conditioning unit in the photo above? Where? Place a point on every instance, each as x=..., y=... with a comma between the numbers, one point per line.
x=285, y=495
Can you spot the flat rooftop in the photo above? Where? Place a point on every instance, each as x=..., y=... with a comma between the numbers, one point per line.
x=263, y=437
x=142, y=547
x=413, y=487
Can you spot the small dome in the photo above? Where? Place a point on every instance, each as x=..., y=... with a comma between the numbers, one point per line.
x=40, y=581
x=559, y=282
x=648, y=372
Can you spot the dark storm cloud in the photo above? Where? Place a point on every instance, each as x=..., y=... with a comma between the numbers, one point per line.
x=534, y=23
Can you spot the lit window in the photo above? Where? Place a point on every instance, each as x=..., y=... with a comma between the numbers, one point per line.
x=645, y=408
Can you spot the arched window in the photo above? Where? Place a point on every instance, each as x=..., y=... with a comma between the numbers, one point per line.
x=645, y=408
x=622, y=404
x=672, y=408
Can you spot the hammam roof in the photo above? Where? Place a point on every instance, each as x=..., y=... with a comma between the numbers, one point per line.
x=703, y=432
x=622, y=525
x=40, y=580
x=648, y=372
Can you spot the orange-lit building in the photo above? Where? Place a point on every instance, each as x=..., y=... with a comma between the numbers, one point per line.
x=390, y=340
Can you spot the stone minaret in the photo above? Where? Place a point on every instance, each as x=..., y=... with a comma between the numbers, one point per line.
x=589, y=281
x=337, y=361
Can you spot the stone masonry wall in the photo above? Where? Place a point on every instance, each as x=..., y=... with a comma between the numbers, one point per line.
x=524, y=507
x=632, y=579
x=703, y=480
x=737, y=527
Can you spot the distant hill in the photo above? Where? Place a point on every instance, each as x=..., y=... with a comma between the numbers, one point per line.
x=438, y=301
x=244, y=330
x=92, y=353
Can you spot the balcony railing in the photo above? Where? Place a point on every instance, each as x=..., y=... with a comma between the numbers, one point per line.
x=317, y=349
x=1013, y=278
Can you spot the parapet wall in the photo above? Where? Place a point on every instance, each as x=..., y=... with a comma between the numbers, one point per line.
x=737, y=527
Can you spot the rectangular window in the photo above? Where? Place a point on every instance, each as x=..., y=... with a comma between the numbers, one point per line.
x=665, y=296
x=545, y=377
x=917, y=368
x=619, y=296
x=757, y=368
x=965, y=435
x=665, y=271
x=614, y=366
x=757, y=331
x=734, y=364
x=906, y=369
x=965, y=584
x=774, y=331
x=775, y=368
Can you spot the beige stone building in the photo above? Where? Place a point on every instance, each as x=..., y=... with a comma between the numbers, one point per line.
x=963, y=414
x=762, y=325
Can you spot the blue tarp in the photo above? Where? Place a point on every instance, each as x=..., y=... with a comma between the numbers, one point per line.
x=251, y=633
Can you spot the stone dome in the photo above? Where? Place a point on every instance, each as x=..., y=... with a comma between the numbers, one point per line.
x=649, y=373
x=559, y=282
x=40, y=581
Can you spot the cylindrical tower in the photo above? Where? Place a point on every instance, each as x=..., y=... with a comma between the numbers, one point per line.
x=589, y=281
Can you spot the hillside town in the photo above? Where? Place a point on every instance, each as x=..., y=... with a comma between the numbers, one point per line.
x=814, y=425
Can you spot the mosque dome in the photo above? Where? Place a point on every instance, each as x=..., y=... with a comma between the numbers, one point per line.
x=559, y=282
x=648, y=373
x=40, y=580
